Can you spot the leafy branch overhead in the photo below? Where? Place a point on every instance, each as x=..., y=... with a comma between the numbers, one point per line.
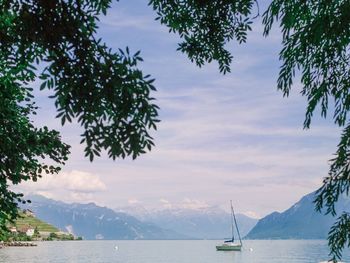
x=103, y=90
x=315, y=40
x=111, y=98
x=206, y=26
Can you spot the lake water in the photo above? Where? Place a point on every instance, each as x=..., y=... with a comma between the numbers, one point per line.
x=174, y=251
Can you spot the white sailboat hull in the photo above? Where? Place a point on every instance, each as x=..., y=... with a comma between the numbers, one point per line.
x=229, y=247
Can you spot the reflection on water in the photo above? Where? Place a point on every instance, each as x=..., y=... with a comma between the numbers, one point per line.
x=176, y=251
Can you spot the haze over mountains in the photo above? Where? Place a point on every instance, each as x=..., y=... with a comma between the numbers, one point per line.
x=300, y=221
x=94, y=222
x=199, y=223
x=135, y=222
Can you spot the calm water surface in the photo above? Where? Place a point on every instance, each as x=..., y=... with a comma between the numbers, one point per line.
x=189, y=251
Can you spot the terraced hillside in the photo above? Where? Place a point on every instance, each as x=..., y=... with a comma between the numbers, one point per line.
x=25, y=221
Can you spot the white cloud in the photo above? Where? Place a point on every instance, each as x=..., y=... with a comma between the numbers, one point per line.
x=221, y=137
x=165, y=203
x=193, y=204
x=81, y=182
x=68, y=186
x=80, y=197
x=133, y=201
x=251, y=214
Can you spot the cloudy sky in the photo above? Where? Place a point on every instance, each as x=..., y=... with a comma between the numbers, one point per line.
x=221, y=137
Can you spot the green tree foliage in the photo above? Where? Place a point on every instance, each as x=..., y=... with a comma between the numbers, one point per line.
x=110, y=97
x=103, y=90
x=316, y=37
x=36, y=232
x=206, y=26
x=53, y=235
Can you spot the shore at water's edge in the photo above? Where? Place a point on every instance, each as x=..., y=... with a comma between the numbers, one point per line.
x=17, y=244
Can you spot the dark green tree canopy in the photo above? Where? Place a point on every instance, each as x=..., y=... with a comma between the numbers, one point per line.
x=316, y=44
x=103, y=90
x=111, y=98
x=206, y=26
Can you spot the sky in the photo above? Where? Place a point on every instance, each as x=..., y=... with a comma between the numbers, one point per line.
x=221, y=137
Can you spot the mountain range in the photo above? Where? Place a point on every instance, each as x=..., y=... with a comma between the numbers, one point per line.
x=300, y=221
x=91, y=221
x=95, y=222
x=200, y=223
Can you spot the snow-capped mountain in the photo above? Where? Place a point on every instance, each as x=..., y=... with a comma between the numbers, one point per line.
x=95, y=222
x=200, y=223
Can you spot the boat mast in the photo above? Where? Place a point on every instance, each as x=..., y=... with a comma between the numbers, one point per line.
x=234, y=217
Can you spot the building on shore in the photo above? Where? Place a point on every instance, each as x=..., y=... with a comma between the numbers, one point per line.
x=28, y=230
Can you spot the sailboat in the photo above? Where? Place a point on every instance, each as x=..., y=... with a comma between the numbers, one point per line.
x=231, y=245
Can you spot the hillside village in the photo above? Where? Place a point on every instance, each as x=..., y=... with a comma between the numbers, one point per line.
x=29, y=228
